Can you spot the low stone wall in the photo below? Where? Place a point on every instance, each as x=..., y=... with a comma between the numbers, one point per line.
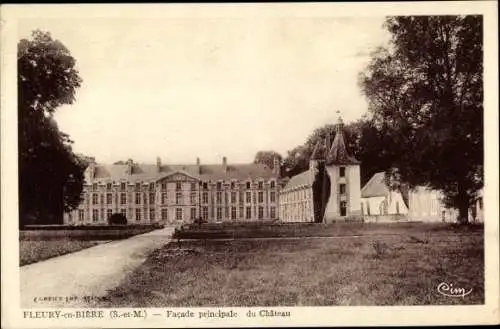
x=385, y=218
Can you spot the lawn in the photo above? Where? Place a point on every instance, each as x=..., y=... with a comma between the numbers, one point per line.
x=35, y=251
x=43, y=242
x=375, y=268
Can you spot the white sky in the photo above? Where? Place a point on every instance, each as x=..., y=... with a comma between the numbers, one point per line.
x=182, y=88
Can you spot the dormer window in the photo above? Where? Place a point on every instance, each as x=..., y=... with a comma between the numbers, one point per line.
x=342, y=171
x=137, y=186
x=261, y=185
x=219, y=185
x=109, y=186
x=151, y=186
x=123, y=186
x=248, y=184
x=94, y=187
x=273, y=184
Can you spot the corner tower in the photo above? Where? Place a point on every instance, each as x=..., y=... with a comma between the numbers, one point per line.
x=343, y=169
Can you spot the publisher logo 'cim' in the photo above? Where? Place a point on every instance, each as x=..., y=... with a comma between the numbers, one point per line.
x=447, y=289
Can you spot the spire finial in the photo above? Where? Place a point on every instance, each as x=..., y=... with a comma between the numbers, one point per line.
x=340, y=123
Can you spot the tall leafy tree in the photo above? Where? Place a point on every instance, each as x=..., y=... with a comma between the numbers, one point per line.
x=425, y=92
x=267, y=158
x=50, y=175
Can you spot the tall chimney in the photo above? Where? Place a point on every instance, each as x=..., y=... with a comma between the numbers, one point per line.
x=158, y=164
x=130, y=164
x=276, y=166
x=91, y=167
x=224, y=164
x=198, y=168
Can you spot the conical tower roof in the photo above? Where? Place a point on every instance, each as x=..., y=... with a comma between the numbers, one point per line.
x=338, y=155
x=317, y=154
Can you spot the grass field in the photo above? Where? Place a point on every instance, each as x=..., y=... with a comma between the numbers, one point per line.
x=388, y=265
x=35, y=251
x=46, y=242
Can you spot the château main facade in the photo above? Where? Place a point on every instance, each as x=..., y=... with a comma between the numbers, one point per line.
x=148, y=193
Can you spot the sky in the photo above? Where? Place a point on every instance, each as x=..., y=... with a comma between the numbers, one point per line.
x=208, y=87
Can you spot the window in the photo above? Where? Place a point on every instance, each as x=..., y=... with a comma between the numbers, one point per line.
x=205, y=213
x=151, y=186
x=109, y=186
x=70, y=217
x=123, y=212
x=95, y=198
x=233, y=213
x=362, y=209
x=272, y=196
x=342, y=188
x=151, y=198
x=164, y=198
x=123, y=198
x=94, y=187
x=248, y=184
x=109, y=198
x=273, y=184
x=193, y=213
x=178, y=197
x=178, y=213
x=233, y=197
x=205, y=197
x=226, y=212
x=123, y=186
x=151, y=214
x=163, y=186
x=261, y=197
x=368, y=208
x=342, y=171
x=164, y=214
x=249, y=197
x=219, y=213
x=193, y=186
x=241, y=198
x=137, y=186
x=219, y=197
x=232, y=185
x=242, y=212
x=261, y=212
x=397, y=207
x=178, y=186
x=109, y=212
x=273, y=212
x=261, y=185
x=81, y=215
x=138, y=214
x=95, y=215
x=343, y=208
x=219, y=186
x=193, y=197
x=248, y=212
x=102, y=215
x=205, y=186
x=137, y=198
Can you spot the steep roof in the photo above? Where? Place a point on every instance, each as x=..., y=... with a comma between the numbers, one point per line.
x=303, y=178
x=149, y=172
x=338, y=155
x=376, y=186
x=317, y=154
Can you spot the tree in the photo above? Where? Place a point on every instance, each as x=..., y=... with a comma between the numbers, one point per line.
x=50, y=175
x=425, y=94
x=267, y=158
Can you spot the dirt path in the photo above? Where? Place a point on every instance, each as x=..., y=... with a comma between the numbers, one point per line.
x=86, y=273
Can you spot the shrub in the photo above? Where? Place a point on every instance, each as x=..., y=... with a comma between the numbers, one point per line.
x=380, y=249
x=117, y=219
